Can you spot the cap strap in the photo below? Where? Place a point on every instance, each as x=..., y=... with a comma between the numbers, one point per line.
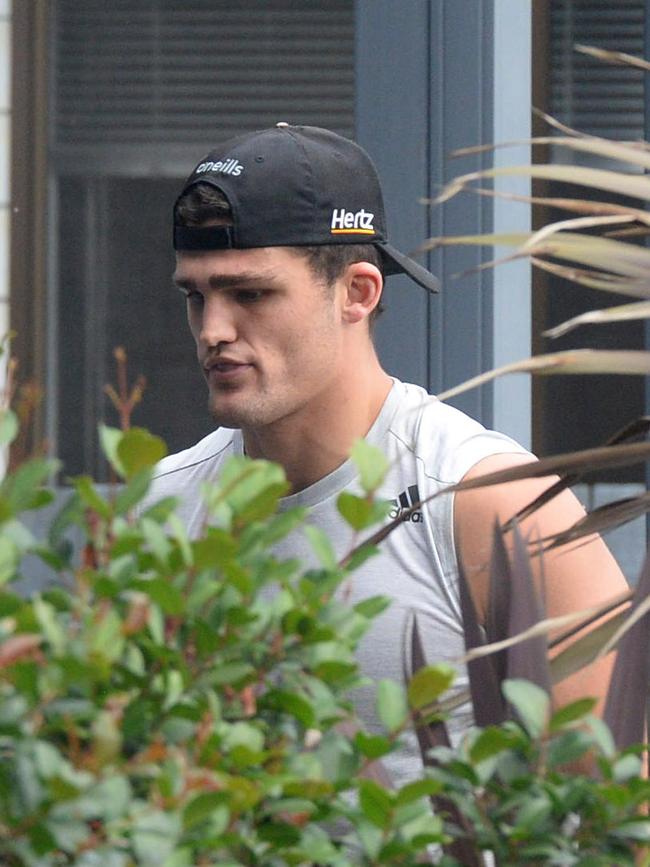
x=203, y=237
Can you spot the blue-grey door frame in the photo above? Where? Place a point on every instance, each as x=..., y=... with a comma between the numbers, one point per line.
x=433, y=76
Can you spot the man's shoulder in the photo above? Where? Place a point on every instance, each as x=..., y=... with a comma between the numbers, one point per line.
x=198, y=457
x=444, y=439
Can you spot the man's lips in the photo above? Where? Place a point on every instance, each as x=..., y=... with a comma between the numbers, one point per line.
x=223, y=367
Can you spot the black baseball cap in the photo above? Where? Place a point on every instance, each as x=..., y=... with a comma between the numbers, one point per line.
x=296, y=186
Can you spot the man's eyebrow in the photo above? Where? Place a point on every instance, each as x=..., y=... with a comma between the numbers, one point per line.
x=230, y=281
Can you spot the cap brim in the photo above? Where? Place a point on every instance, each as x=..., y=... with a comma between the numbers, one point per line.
x=397, y=263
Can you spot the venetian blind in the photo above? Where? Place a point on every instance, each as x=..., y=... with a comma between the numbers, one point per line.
x=585, y=93
x=168, y=73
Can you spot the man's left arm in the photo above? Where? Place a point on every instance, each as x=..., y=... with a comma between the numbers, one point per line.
x=576, y=576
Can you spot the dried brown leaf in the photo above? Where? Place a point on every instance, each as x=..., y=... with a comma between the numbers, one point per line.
x=616, y=58
x=571, y=361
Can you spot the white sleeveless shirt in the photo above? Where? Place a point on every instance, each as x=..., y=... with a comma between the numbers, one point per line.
x=430, y=446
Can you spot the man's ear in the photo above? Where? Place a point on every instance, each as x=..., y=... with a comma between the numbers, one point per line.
x=363, y=285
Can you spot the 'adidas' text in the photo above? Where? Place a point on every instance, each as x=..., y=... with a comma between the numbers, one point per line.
x=407, y=499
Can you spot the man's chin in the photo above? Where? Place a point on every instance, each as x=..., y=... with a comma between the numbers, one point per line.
x=229, y=416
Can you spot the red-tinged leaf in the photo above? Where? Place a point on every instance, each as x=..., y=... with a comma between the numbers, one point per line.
x=529, y=659
x=638, y=428
x=487, y=701
x=600, y=520
x=626, y=705
x=498, y=609
x=19, y=647
x=434, y=735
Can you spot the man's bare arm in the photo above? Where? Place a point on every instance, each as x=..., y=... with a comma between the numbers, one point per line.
x=576, y=576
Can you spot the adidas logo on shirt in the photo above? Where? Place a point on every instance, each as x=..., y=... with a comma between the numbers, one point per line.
x=407, y=499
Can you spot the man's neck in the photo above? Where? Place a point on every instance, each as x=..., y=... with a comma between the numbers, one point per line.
x=313, y=444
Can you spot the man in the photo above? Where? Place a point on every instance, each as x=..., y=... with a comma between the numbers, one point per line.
x=281, y=251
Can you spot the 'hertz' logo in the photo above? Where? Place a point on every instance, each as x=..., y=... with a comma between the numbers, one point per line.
x=352, y=223
x=224, y=167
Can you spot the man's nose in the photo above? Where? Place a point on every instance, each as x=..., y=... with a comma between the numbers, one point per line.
x=217, y=323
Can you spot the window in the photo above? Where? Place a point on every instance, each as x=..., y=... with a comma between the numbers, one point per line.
x=608, y=101
x=138, y=91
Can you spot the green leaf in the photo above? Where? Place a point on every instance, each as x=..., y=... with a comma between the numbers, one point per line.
x=51, y=627
x=373, y=606
x=531, y=703
x=134, y=491
x=428, y=684
x=376, y=803
x=215, y=549
x=8, y=426
x=157, y=540
x=627, y=768
x=20, y=489
x=70, y=513
x=252, y=488
x=163, y=593
x=419, y=789
x=534, y=811
x=91, y=497
x=138, y=450
x=372, y=746
x=357, y=511
x=360, y=555
x=278, y=834
x=293, y=704
x=490, y=742
x=231, y=673
x=9, y=558
x=571, y=713
x=602, y=736
x=322, y=547
x=568, y=747
x=202, y=807
x=106, y=637
x=109, y=438
x=371, y=463
x=154, y=837
x=392, y=708
x=635, y=829
x=243, y=734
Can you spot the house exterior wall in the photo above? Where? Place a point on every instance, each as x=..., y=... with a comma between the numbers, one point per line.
x=5, y=186
x=5, y=138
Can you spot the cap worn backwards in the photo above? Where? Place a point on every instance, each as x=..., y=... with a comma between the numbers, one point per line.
x=296, y=186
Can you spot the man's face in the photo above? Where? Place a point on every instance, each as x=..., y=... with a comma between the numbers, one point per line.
x=268, y=334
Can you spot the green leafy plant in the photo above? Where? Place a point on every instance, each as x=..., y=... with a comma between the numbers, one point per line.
x=187, y=702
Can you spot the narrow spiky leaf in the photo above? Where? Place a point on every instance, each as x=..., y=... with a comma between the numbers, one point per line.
x=601, y=520
x=616, y=58
x=637, y=428
x=484, y=683
x=626, y=705
x=624, y=152
x=591, y=361
x=587, y=460
x=497, y=615
x=584, y=650
x=633, y=287
x=620, y=313
x=529, y=659
x=635, y=186
x=431, y=735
